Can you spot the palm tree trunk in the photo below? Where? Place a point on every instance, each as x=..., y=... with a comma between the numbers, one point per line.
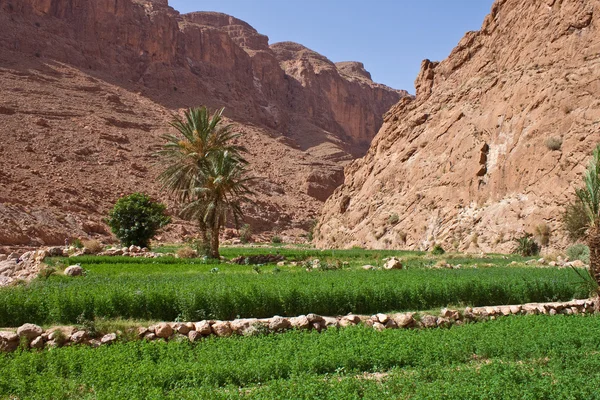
x=593, y=240
x=203, y=242
x=214, y=243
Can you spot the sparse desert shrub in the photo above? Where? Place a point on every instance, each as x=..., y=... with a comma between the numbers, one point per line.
x=93, y=246
x=554, y=143
x=187, y=252
x=276, y=239
x=245, y=233
x=135, y=219
x=527, y=246
x=579, y=252
x=393, y=219
x=437, y=250
x=46, y=272
x=402, y=236
x=575, y=220
x=542, y=234
x=77, y=243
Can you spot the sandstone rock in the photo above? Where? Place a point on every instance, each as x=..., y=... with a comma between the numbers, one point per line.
x=108, y=338
x=183, y=329
x=278, y=323
x=314, y=318
x=456, y=158
x=94, y=343
x=29, y=331
x=406, y=320
x=286, y=98
x=382, y=318
x=428, y=321
x=150, y=336
x=443, y=322
x=300, y=322
x=6, y=336
x=79, y=337
x=74, y=270
x=331, y=322
x=142, y=331
x=37, y=343
x=194, y=336
x=450, y=314
x=578, y=264
x=203, y=327
x=163, y=330
x=368, y=267
x=392, y=263
x=221, y=328
x=378, y=326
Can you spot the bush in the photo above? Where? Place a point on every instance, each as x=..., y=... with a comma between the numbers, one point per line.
x=526, y=246
x=575, y=221
x=393, y=219
x=579, y=252
x=438, y=250
x=245, y=233
x=276, y=239
x=553, y=143
x=77, y=243
x=542, y=233
x=135, y=219
x=187, y=252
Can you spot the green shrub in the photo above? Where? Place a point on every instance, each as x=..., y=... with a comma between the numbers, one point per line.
x=579, y=252
x=542, y=233
x=77, y=243
x=527, y=246
x=393, y=219
x=575, y=220
x=245, y=233
x=276, y=239
x=438, y=250
x=135, y=219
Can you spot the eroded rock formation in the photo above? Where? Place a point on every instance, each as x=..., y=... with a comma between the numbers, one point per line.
x=493, y=145
x=89, y=86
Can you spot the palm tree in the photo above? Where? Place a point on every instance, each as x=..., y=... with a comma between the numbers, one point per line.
x=582, y=218
x=187, y=156
x=218, y=191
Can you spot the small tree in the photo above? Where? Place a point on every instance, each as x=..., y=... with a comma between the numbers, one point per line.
x=135, y=219
x=582, y=218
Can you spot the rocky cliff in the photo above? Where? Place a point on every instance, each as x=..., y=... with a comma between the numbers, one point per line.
x=89, y=86
x=493, y=145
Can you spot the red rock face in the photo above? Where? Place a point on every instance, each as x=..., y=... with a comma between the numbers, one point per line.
x=493, y=145
x=88, y=88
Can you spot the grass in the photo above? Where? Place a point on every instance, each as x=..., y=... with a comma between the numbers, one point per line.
x=144, y=289
x=552, y=358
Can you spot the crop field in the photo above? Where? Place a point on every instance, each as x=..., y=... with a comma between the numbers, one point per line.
x=525, y=357
x=533, y=357
x=171, y=289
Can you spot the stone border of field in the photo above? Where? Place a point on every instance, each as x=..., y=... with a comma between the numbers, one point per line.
x=35, y=337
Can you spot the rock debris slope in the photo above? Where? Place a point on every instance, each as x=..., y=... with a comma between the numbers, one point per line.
x=89, y=86
x=492, y=146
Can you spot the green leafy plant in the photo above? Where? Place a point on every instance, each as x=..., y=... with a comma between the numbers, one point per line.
x=393, y=219
x=580, y=252
x=438, y=250
x=135, y=219
x=246, y=233
x=527, y=246
x=276, y=239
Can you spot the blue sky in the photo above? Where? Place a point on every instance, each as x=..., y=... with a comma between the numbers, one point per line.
x=391, y=37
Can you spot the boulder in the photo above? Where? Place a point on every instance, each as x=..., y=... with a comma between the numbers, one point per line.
x=37, y=343
x=74, y=270
x=300, y=322
x=29, y=331
x=163, y=330
x=109, y=338
x=79, y=337
x=428, y=321
x=393, y=263
x=222, y=328
x=404, y=320
x=278, y=323
x=203, y=328
x=194, y=336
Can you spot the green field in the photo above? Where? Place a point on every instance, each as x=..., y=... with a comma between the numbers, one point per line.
x=532, y=357
x=190, y=290
x=525, y=357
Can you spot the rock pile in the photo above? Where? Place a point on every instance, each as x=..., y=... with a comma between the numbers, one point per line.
x=15, y=266
x=36, y=338
x=258, y=259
